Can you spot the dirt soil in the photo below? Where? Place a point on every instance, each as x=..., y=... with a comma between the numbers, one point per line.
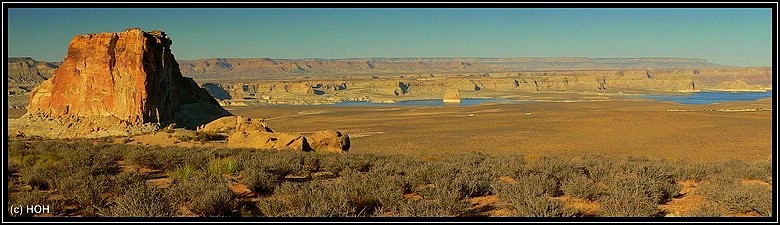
x=641, y=128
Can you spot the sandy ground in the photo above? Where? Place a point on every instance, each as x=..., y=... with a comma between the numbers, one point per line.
x=631, y=127
x=643, y=128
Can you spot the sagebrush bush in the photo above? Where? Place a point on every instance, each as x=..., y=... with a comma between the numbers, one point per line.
x=260, y=180
x=528, y=201
x=168, y=158
x=24, y=198
x=739, y=197
x=706, y=209
x=308, y=200
x=207, y=196
x=581, y=187
x=142, y=200
x=124, y=180
x=89, y=192
x=624, y=203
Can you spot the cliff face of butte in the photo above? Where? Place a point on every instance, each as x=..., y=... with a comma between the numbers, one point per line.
x=130, y=77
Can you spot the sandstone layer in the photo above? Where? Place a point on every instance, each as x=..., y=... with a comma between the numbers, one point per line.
x=130, y=78
x=519, y=85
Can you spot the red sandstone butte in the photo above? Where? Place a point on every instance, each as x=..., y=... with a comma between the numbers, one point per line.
x=130, y=75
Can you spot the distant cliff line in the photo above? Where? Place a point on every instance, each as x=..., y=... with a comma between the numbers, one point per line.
x=21, y=68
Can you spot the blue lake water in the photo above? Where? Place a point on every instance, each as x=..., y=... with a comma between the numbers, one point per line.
x=711, y=97
x=696, y=98
x=428, y=102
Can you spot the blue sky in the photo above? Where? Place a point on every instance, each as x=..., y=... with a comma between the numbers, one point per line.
x=740, y=37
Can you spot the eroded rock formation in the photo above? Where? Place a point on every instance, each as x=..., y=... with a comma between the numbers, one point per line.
x=451, y=96
x=129, y=77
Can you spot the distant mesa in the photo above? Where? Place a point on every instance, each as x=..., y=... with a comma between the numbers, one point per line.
x=125, y=79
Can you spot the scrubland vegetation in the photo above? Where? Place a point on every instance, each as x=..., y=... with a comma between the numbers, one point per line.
x=101, y=178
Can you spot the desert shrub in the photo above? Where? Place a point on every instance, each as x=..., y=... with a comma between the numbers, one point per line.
x=627, y=203
x=168, y=158
x=260, y=180
x=278, y=166
x=529, y=201
x=420, y=208
x=658, y=190
x=760, y=170
x=25, y=198
x=89, y=192
x=630, y=195
x=358, y=163
x=15, y=145
x=739, y=197
x=91, y=161
x=124, y=180
x=581, y=187
x=371, y=191
x=507, y=165
x=143, y=200
x=706, y=209
x=599, y=167
x=207, y=196
x=308, y=199
x=693, y=171
x=224, y=166
x=42, y=175
x=555, y=167
x=473, y=173
x=531, y=184
x=208, y=136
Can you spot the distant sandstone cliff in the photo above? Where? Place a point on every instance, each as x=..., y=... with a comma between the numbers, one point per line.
x=128, y=78
x=272, y=67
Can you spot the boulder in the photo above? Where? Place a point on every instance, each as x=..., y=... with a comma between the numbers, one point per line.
x=329, y=141
x=267, y=140
x=229, y=124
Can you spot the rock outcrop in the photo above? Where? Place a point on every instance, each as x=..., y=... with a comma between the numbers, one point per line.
x=230, y=124
x=131, y=77
x=452, y=96
x=329, y=141
x=267, y=140
x=27, y=71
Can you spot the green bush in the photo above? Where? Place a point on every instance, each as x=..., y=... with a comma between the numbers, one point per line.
x=184, y=172
x=225, y=166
